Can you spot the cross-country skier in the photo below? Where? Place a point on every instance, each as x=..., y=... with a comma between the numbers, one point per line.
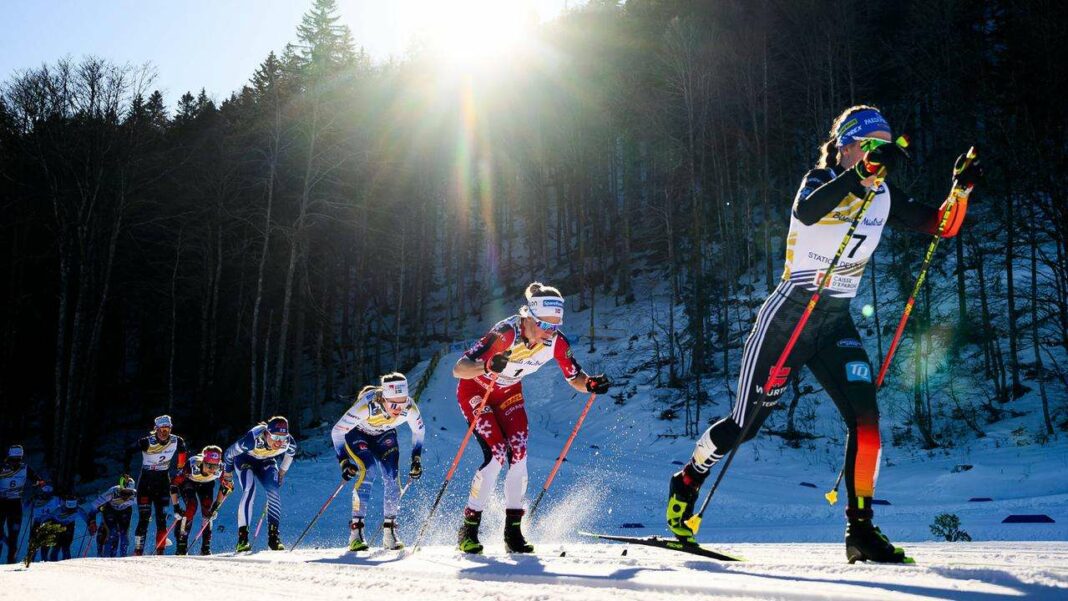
x=826, y=204
x=367, y=435
x=116, y=503
x=158, y=449
x=14, y=475
x=515, y=348
x=196, y=485
x=44, y=503
x=66, y=516
x=253, y=456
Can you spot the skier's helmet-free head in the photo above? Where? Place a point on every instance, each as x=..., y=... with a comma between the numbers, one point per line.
x=127, y=485
x=544, y=312
x=277, y=431
x=163, y=425
x=394, y=393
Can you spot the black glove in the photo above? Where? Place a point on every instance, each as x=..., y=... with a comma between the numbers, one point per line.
x=348, y=469
x=499, y=361
x=967, y=172
x=889, y=156
x=598, y=384
x=416, y=470
x=179, y=511
x=214, y=508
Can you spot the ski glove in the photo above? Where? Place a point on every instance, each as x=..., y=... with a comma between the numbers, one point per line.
x=417, y=468
x=214, y=509
x=597, y=384
x=889, y=156
x=348, y=469
x=499, y=361
x=92, y=527
x=179, y=511
x=227, y=482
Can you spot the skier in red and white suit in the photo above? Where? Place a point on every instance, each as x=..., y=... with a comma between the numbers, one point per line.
x=515, y=348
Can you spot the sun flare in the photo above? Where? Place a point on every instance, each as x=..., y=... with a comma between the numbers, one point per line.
x=470, y=33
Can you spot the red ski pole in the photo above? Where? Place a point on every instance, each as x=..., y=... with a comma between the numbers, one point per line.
x=456, y=460
x=211, y=519
x=563, y=453
x=958, y=193
x=163, y=541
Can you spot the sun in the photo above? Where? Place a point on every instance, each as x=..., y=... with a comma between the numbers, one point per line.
x=473, y=33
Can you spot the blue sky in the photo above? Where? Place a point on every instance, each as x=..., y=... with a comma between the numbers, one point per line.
x=211, y=44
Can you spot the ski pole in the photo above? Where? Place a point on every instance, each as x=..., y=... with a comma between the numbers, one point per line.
x=259, y=524
x=955, y=195
x=403, y=490
x=163, y=541
x=832, y=495
x=695, y=520
x=321, y=510
x=29, y=526
x=563, y=453
x=211, y=519
x=88, y=541
x=456, y=460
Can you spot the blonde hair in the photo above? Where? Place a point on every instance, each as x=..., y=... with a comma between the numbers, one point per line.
x=539, y=289
x=830, y=148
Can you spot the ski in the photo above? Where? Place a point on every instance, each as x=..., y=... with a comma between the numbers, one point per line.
x=665, y=543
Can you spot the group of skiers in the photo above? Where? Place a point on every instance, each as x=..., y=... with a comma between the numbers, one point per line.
x=849, y=180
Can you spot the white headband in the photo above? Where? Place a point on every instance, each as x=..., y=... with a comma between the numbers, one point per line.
x=396, y=389
x=546, y=306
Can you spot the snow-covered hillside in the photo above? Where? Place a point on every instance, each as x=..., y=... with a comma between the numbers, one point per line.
x=770, y=509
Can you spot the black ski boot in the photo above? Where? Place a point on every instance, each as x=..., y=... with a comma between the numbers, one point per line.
x=682, y=496
x=205, y=542
x=274, y=541
x=468, y=535
x=182, y=546
x=513, y=534
x=242, y=540
x=864, y=542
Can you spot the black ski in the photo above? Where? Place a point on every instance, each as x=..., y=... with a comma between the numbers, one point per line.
x=665, y=543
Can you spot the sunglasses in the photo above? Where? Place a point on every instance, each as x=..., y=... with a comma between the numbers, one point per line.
x=546, y=326
x=278, y=437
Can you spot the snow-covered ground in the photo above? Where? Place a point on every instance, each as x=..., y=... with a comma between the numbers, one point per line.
x=588, y=572
x=770, y=509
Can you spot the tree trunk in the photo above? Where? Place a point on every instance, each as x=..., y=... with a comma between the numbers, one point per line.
x=174, y=324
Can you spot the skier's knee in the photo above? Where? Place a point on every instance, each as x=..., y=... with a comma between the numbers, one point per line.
x=723, y=434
